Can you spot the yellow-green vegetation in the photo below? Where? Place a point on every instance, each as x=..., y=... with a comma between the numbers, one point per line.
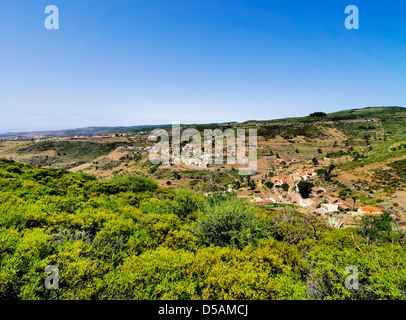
x=128, y=239
x=65, y=152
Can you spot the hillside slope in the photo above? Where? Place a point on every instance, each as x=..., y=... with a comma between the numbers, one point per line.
x=127, y=239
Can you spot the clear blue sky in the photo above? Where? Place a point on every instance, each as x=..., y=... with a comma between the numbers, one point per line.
x=131, y=62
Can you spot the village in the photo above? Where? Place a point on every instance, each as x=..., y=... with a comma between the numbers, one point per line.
x=277, y=181
x=286, y=191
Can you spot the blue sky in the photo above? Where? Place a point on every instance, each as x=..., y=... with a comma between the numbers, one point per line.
x=132, y=62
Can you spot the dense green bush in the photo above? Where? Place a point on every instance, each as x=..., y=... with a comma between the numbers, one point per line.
x=231, y=222
x=128, y=239
x=136, y=183
x=289, y=131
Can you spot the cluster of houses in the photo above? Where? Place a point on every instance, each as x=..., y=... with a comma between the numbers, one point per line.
x=201, y=163
x=319, y=198
x=271, y=200
x=296, y=176
x=204, y=160
x=332, y=204
x=299, y=175
x=139, y=148
x=279, y=181
x=37, y=139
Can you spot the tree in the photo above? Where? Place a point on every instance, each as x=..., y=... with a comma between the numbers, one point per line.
x=354, y=198
x=252, y=185
x=269, y=184
x=331, y=167
x=356, y=155
x=237, y=184
x=285, y=187
x=375, y=228
x=315, y=161
x=366, y=138
x=318, y=114
x=305, y=188
x=324, y=174
x=153, y=169
x=231, y=222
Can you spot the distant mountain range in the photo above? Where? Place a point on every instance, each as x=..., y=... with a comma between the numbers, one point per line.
x=87, y=131
x=388, y=114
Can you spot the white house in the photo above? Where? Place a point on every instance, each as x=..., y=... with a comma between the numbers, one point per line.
x=152, y=138
x=329, y=207
x=304, y=202
x=275, y=199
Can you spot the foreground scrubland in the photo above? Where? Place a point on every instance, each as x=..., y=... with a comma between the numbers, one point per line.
x=128, y=239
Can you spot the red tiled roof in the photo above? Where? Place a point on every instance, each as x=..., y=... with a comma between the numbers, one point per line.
x=265, y=201
x=371, y=209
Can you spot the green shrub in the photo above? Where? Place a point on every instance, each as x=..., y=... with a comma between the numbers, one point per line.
x=231, y=222
x=136, y=183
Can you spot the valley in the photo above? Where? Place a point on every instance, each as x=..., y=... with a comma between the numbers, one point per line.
x=354, y=155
